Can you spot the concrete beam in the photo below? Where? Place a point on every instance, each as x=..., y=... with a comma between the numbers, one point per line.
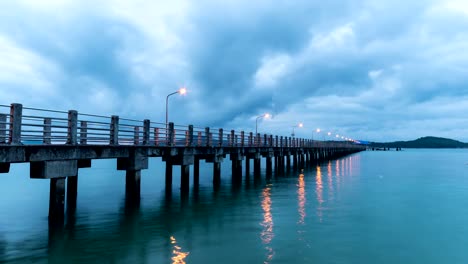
x=4, y=167
x=84, y=163
x=53, y=169
x=134, y=162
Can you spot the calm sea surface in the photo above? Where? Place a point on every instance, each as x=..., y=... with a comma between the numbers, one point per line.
x=371, y=207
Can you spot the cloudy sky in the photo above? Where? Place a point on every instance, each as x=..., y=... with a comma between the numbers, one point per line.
x=373, y=70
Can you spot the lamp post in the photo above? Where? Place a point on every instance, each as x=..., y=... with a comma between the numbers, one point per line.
x=181, y=91
x=266, y=115
x=298, y=125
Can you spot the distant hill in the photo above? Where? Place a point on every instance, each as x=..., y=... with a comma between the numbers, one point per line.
x=424, y=142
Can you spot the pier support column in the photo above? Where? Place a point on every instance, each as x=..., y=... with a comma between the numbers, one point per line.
x=247, y=167
x=216, y=174
x=184, y=178
x=132, y=186
x=280, y=163
x=288, y=162
x=196, y=172
x=269, y=166
x=72, y=193
x=56, y=200
x=295, y=160
x=257, y=165
x=168, y=176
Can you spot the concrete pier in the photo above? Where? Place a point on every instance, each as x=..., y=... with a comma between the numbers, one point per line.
x=132, y=143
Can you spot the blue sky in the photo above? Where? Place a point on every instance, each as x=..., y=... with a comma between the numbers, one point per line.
x=373, y=70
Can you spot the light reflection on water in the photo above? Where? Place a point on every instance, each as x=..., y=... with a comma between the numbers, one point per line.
x=319, y=192
x=414, y=214
x=301, y=198
x=267, y=233
x=178, y=255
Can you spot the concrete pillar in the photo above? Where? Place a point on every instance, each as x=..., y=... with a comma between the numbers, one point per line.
x=216, y=173
x=56, y=200
x=247, y=166
x=16, y=113
x=168, y=176
x=257, y=165
x=269, y=166
x=295, y=160
x=196, y=172
x=184, y=178
x=288, y=161
x=72, y=193
x=132, y=186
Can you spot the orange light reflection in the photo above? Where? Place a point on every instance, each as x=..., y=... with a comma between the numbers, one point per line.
x=178, y=256
x=318, y=190
x=301, y=198
x=267, y=232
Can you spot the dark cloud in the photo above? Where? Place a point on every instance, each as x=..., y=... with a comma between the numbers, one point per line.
x=364, y=68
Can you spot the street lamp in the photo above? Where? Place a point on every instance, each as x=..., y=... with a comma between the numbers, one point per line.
x=181, y=91
x=266, y=115
x=298, y=125
x=318, y=131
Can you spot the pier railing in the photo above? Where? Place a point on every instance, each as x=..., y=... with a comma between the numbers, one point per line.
x=34, y=126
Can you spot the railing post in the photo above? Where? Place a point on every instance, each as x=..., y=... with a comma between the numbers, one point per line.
x=258, y=140
x=146, y=132
x=250, y=139
x=210, y=139
x=242, y=138
x=271, y=141
x=235, y=140
x=156, y=136
x=114, y=130
x=276, y=141
x=47, y=134
x=207, y=136
x=72, y=127
x=136, y=135
x=190, y=136
x=3, y=119
x=171, y=137
x=16, y=113
x=220, y=137
x=83, y=132
x=199, y=139
x=281, y=141
x=231, y=143
x=265, y=140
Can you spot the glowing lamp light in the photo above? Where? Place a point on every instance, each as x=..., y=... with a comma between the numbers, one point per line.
x=329, y=133
x=300, y=125
x=318, y=130
x=182, y=91
x=337, y=135
x=267, y=115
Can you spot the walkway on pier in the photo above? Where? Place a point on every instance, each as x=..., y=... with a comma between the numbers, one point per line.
x=58, y=143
